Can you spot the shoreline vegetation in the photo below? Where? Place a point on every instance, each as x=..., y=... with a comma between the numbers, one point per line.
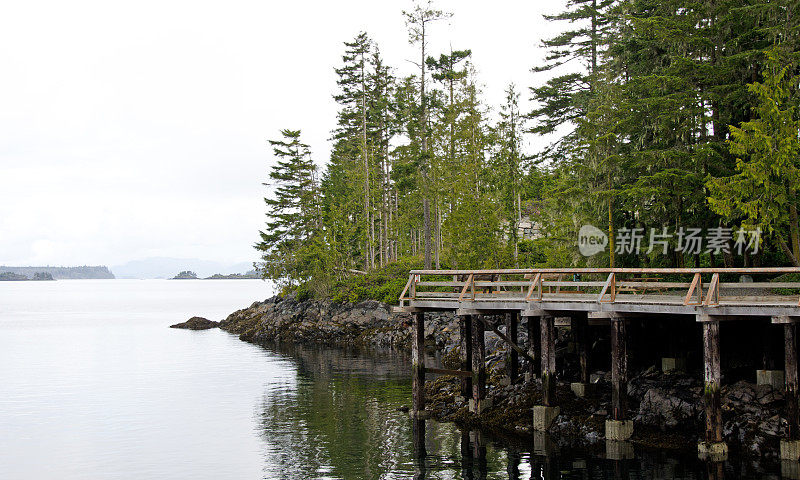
x=190, y=275
x=667, y=407
x=16, y=277
x=55, y=273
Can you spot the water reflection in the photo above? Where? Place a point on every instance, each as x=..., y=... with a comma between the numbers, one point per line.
x=342, y=417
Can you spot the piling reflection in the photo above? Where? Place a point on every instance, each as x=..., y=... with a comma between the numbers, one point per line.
x=342, y=416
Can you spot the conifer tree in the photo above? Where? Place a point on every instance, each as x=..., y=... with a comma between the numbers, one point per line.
x=293, y=214
x=418, y=21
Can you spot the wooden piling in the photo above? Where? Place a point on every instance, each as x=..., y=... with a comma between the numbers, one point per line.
x=790, y=349
x=548, y=360
x=465, y=338
x=533, y=337
x=478, y=363
x=619, y=370
x=418, y=362
x=580, y=325
x=711, y=378
x=512, y=357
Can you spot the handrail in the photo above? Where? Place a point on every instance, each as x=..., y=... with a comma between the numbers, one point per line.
x=613, y=289
x=533, y=271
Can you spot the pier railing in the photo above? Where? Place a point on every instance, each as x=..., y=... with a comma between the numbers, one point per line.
x=681, y=286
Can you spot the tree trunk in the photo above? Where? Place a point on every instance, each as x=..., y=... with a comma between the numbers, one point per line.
x=788, y=251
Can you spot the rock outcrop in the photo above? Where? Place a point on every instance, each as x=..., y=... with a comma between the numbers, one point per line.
x=667, y=407
x=196, y=323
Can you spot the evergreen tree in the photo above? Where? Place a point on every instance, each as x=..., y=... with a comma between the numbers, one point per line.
x=763, y=192
x=293, y=214
x=417, y=21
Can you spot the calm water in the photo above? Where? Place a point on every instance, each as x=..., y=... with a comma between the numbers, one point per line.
x=93, y=385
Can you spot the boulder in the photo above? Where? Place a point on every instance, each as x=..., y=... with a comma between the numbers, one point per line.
x=196, y=323
x=665, y=408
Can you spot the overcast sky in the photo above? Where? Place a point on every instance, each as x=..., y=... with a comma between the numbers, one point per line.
x=138, y=129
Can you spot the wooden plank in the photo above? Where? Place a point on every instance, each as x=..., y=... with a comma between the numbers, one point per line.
x=418, y=362
x=466, y=286
x=445, y=371
x=465, y=339
x=790, y=366
x=556, y=271
x=505, y=338
x=548, y=346
x=609, y=287
x=696, y=282
x=440, y=284
x=405, y=290
x=712, y=298
x=619, y=370
x=536, y=284
x=712, y=378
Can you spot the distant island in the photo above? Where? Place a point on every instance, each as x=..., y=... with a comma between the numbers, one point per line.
x=251, y=275
x=57, y=273
x=185, y=275
x=16, y=277
x=190, y=275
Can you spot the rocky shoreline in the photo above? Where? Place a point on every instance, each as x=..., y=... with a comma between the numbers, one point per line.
x=667, y=408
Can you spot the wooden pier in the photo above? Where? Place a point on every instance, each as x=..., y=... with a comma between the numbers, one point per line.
x=594, y=296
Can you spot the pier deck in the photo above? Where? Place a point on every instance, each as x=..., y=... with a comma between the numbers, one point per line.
x=601, y=295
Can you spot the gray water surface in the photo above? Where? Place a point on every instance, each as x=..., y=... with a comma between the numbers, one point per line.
x=93, y=385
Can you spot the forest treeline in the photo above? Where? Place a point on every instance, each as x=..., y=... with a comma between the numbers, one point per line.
x=666, y=115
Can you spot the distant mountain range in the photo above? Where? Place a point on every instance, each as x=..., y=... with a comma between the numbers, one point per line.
x=61, y=273
x=167, y=267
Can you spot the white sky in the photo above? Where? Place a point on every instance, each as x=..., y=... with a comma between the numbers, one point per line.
x=138, y=129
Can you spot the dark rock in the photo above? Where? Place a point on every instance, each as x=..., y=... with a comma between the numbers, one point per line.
x=196, y=323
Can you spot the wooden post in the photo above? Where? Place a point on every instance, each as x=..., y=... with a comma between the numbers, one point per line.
x=790, y=349
x=548, y=360
x=533, y=336
x=580, y=325
x=418, y=362
x=619, y=370
x=478, y=364
x=711, y=378
x=465, y=337
x=512, y=357
x=512, y=468
x=418, y=433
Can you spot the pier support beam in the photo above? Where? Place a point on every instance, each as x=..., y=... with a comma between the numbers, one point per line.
x=418, y=363
x=618, y=427
x=543, y=415
x=790, y=446
x=713, y=447
x=533, y=337
x=548, y=360
x=478, y=402
x=465, y=338
x=580, y=325
x=512, y=357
